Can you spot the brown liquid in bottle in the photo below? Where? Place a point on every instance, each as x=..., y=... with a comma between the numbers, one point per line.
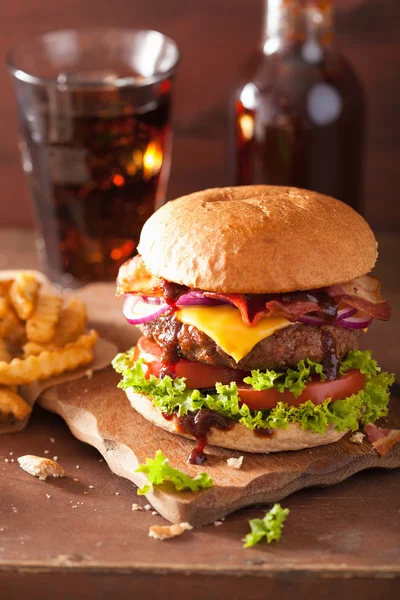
x=299, y=116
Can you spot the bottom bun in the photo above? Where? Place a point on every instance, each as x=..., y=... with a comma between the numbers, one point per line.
x=240, y=437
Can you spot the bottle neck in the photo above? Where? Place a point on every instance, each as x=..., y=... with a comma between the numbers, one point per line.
x=304, y=24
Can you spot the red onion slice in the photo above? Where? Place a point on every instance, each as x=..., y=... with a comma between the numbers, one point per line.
x=198, y=298
x=361, y=321
x=142, y=309
x=345, y=313
x=153, y=299
x=137, y=311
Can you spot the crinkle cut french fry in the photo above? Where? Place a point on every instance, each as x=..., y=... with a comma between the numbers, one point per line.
x=71, y=324
x=23, y=294
x=11, y=403
x=40, y=327
x=49, y=363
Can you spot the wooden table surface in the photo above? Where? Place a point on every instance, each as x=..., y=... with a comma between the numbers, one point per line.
x=85, y=542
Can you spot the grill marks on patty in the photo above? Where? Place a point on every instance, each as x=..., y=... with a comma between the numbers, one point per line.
x=285, y=348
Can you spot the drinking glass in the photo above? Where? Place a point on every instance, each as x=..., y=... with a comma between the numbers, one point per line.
x=94, y=111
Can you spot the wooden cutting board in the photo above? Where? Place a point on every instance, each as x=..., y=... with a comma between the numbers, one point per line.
x=97, y=412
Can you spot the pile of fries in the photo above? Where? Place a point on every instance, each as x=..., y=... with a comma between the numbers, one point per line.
x=41, y=335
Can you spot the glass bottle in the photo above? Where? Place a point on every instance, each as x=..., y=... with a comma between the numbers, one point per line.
x=299, y=113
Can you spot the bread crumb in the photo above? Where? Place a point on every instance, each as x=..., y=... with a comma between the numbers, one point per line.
x=91, y=487
x=136, y=507
x=6, y=460
x=86, y=493
x=40, y=467
x=48, y=496
x=77, y=467
x=357, y=437
x=46, y=451
x=75, y=479
x=154, y=512
x=217, y=523
x=89, y=373
x=52, y=440
x=55, y=458
x=164, y=532
x=11, y=453
x=147, y=507
x=235, y=463
x=117, y=493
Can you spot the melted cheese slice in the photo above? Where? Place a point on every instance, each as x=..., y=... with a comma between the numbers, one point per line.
x=224, y=325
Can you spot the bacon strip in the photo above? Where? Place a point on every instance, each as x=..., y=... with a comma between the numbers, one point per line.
x=250, y=315
x=382, y=439
x=363, y=294
x=134, y=278
x=292, y=310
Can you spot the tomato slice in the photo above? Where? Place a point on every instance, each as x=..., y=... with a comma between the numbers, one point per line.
x=316, y=391
x=198, y=375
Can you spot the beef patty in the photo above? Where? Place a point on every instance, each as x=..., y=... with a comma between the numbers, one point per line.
x=285, y=348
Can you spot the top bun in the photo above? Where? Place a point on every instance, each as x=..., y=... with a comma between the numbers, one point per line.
x=257, y=239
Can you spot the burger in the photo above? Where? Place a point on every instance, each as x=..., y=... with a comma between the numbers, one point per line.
x=251, y=302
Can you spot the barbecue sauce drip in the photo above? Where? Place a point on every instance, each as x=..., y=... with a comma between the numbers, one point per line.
x=331, y=361
x=173, y=291
x=168, y=369
x=168, y=416
x=256, y=304
x=198, y=425
x=170, y=347
x=263, y=432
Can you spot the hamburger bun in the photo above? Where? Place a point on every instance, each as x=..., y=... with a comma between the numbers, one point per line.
x=240, y=437
x=286, y=239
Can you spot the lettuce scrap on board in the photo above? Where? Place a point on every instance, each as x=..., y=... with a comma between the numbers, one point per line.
x=157, y=470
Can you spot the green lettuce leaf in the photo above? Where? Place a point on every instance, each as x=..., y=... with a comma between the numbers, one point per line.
x=172, y=396
x=294, y=380
x=270, y=527
x=361, y=360
x=157, y=470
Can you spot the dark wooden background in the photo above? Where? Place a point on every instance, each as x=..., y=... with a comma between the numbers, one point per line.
x=214, y=37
